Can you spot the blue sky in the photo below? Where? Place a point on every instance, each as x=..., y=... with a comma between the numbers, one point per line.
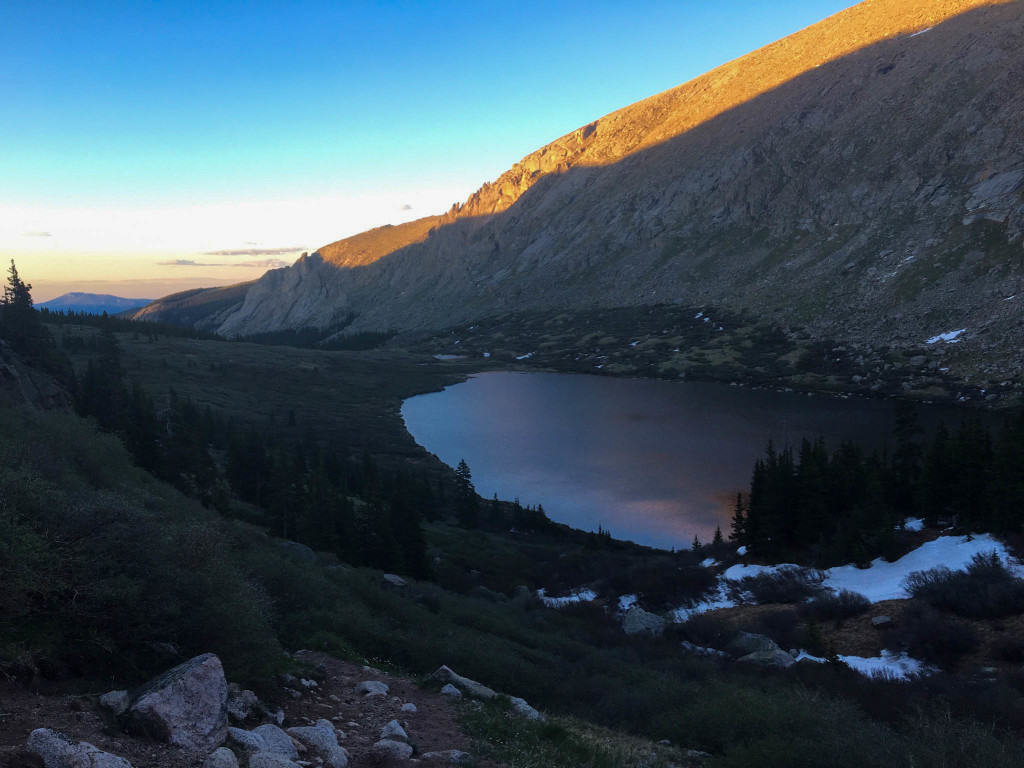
x=136, y=135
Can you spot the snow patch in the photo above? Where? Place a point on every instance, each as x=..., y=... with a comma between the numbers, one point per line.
x=708, y=562
x=950, y=337
x=626, y=602
x=920, y=32
x=913, y=524
x=449, y=357
x=718, y=599
x=527, y=356
x=633, y=343
x=886, y=581
x=702, y=650
x=698, y=316
x=579, y=596
x=487, y=354
x=741, y=550
x=891, y=665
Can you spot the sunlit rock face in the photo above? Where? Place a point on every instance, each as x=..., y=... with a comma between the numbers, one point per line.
x=863, y=178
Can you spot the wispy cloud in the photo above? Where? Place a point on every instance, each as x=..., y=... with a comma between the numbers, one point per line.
x=406, y=207
x=38, y=234
x=265, y=263
x=260, y=264
x=256, y=252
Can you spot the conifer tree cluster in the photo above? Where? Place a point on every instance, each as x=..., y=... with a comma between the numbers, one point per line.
x=849, y=505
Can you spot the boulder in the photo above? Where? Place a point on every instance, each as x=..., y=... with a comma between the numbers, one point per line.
x=636, y=620
x=322, y=741
x=747, y=642
x=372, y=688
x=221, y=757
x=276, y=740
x=271, y=760
x=298, y=552
x=186, y=706
x=451, y=690
x=449, y=756
x=409, y=707
x=58, y=751
x=394, y=750
x=394, y=731
x=394, y=580
x=881, y=622
x=776, y=658
x=115, y=702
x=471, y=687
x=521, y=708
x=242, y=704
x=245, y=742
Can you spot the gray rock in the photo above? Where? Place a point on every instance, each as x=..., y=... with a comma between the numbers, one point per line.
x=636, y=620
x=747, y=642
x=395, y=750
x=221, y=757
x=297, y=551
x=521, y=708
x=57, y=751
x=242, y=704
x=449, y=756
x=309, y=683
x=322, y=741
x=451, y=690
x=186, y=706
x=115, y=702
x=471, y=687
x=394, y=580
x=409, y=707
x=277, y=741
x=372, y=688
x=394, y=731
x=776, y=658
x=881, y=621
x=245, y=742
x=271, y=760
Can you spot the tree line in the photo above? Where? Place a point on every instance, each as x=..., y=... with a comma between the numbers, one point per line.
x=301, y=490
x=850, y=504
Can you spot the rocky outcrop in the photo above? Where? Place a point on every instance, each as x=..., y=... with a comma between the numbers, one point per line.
x=477, y=690
x=57, y=751
x=186, y=706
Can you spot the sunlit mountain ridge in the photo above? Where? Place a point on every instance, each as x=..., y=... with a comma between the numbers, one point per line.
x=860, y=178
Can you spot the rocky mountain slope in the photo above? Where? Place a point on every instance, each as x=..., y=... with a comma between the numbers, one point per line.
x=862, y=178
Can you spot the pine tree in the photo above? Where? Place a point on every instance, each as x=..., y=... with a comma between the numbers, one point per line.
x=738, y=527
x=466, y=505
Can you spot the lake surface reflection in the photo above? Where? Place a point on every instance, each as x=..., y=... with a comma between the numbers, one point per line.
x=656, y=462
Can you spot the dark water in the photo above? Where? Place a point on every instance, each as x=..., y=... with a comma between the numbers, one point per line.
x=656, y=462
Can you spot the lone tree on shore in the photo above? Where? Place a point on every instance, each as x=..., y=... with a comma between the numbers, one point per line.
x=467, y=508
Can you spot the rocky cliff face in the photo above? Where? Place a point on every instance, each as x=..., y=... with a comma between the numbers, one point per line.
x=863, y=178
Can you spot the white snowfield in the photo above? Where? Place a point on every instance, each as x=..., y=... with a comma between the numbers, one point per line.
x=886, y=581
x=880, y=581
